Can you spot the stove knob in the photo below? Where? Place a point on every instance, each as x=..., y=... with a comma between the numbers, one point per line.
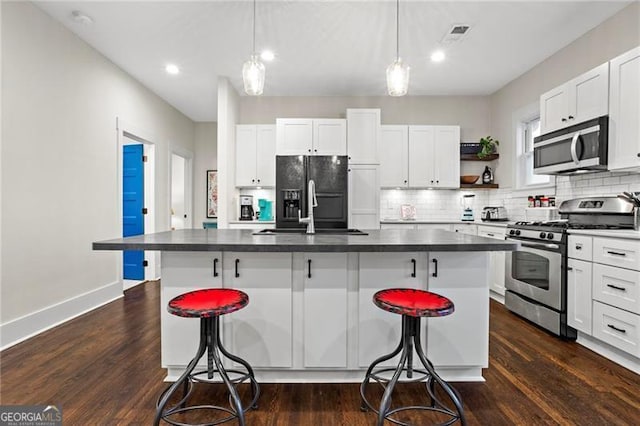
x=518, y=232
x=543, y=235
x=512, y=232
x=549, y=236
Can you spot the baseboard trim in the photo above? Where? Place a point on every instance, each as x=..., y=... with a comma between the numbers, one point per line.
x=23, y=328
x=614, y=354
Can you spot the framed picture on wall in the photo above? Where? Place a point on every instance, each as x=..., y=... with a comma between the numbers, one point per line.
x=212, y=193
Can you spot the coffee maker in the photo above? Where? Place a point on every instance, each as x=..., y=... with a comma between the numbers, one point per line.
x=246, y=207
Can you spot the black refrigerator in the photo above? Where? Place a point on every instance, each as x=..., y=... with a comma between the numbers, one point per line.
x=329, y=172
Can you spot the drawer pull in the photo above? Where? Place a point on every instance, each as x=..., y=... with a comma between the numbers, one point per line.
x=616, y=287
x=413, y=274
x=491, y=235
x=569, y=268
x=435, y=272
x=616, y=253
x=578, y=246
x=215, y=267
x=237, y=273
x=616, y=328
x=309, y=268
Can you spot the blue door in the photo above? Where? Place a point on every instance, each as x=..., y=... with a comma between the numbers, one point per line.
x=132, y=205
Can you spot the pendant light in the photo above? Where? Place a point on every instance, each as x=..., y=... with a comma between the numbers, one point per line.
x=397, y=72
x=253, y=70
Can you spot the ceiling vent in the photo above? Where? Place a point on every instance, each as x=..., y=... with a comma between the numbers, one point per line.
x=456, y=33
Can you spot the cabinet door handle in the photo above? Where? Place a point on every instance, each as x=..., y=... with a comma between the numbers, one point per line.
x=309, y=268
x=406, y=180
x=564, y=120
x=639, y=155
x=616, y=253
x=578, y=246
x=435, y=264
x=309, y=150
x=237, y=273
x=215, y=267
x=413, y=274
x=258, y=180
x=569, y=268
x=571, y=117
x=491, y=235
x=253, y=180
x=315, y=150
x=621, y=330
x=616, y=287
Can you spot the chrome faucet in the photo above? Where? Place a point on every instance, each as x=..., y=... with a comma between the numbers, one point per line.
x=311, y=203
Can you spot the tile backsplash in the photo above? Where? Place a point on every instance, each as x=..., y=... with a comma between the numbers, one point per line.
x=447, y=204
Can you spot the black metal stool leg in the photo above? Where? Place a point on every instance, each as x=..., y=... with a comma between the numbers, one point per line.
x=255, y=389
x=166, y=395
x=225, y=378
x=388, y=391
x=367, y=377
x=446, y=386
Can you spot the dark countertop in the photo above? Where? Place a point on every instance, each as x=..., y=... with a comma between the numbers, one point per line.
x=387, y=240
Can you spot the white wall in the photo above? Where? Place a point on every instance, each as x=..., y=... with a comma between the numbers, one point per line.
x=205, y=158
x=228, y=107
x=472, y=113
x=178, y=208
x=60, y=100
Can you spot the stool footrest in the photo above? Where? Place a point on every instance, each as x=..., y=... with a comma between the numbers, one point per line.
x=410, y=340
x=210, y=343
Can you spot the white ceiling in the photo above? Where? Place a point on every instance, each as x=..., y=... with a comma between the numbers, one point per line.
x=326, y=48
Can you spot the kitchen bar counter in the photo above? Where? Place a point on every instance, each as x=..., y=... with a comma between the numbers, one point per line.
x=311, y=317
x=388, y=240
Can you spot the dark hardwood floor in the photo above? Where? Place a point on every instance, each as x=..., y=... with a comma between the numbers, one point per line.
x=104, y=369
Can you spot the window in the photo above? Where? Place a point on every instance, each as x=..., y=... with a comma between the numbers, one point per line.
x=528, y=127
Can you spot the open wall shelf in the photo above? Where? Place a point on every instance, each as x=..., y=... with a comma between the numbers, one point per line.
x=479, y=186
x=474, y=157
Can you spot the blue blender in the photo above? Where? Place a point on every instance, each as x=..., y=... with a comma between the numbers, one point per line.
x=266, y=209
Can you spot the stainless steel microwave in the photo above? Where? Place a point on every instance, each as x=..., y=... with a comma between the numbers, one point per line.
x=580, y=148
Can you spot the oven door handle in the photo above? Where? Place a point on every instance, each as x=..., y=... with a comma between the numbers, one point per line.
x=574, y=146
x=540, y=245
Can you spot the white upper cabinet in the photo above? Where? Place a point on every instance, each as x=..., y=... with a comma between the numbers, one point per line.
x=580, y=99
x=307, y=136
x=255, y=155
x=394, y=156
x=421, y=149
x=434, y=156
x=446, y=156
x=624, y=112
x=363, y=135
x=364, y=196
x=329, y=136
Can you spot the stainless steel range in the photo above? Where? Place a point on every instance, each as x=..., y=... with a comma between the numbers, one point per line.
x=536, y=274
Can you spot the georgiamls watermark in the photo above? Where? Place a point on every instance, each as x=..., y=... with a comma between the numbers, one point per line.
x=30, y=415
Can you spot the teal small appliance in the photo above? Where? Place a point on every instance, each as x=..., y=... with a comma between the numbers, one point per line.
x=266, y=209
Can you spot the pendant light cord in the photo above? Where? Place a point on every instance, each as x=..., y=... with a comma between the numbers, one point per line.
x=254, y=28
x=397, y=29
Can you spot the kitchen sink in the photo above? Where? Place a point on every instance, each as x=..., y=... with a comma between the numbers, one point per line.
x=304, y=231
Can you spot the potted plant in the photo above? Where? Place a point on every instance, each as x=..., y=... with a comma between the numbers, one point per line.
x=487, y=146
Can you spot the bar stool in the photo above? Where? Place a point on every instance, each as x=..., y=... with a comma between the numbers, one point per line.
x=208, y=305
x=412, y=304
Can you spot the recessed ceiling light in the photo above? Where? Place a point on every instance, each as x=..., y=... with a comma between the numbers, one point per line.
x=81, y=18
x=172, y=69
x=267, y=55
x=437, y=56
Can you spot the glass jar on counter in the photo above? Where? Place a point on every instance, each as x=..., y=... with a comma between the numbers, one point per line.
x=531, y=201
x=544, y=201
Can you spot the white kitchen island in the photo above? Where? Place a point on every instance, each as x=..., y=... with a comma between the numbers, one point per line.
x=310, y=316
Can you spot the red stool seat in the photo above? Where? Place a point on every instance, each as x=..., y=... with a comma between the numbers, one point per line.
x=208, y=302
x=413, y=302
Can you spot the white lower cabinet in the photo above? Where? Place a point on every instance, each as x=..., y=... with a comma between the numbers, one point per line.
x=497, y=259
x=379, y=330
x=617, y=327
x=442, y=226
x=325, y=277
x=261, y=332
x=449, y=340
x=603, y=296
x=579, y=296
x=183, y=272
x=464, y=228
